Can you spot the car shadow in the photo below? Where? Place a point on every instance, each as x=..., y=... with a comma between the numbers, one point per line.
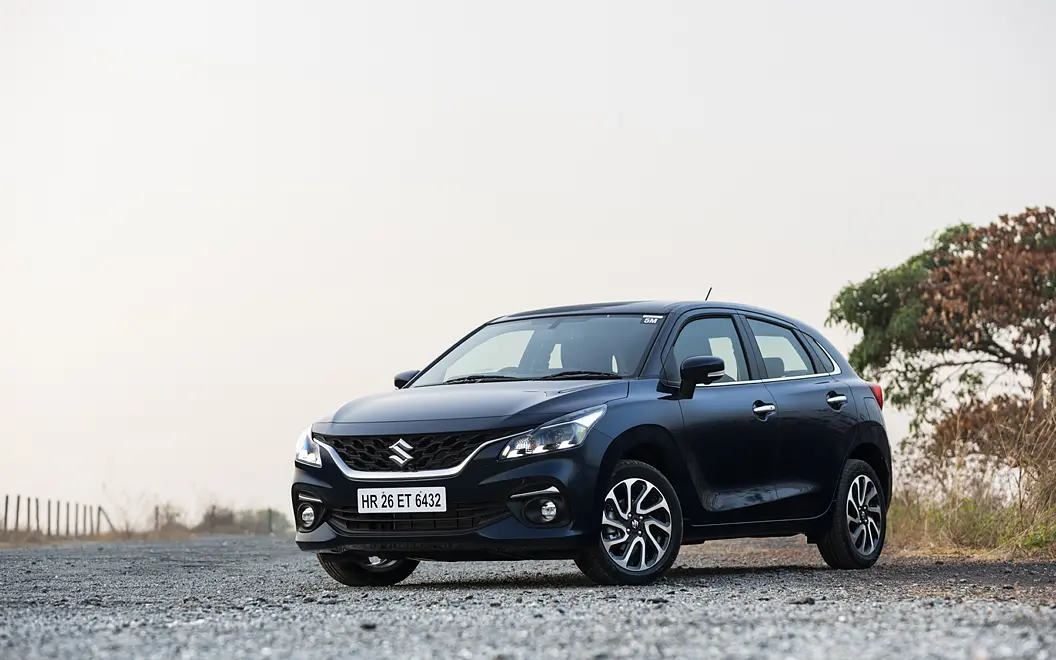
x=680, y=576
x=687, y=572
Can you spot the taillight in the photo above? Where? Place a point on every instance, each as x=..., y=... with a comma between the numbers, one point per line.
x=878, y=394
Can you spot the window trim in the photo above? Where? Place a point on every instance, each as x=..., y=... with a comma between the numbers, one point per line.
x=810, y=347
x=755, y=352
x=696, y=315
x=794, y=332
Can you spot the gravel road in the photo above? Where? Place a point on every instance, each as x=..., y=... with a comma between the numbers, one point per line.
x=259, y=597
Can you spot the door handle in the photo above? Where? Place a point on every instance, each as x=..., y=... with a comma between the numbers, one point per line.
x=763, y=409
x=836, y=400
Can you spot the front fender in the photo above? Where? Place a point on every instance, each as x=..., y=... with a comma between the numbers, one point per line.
x=651, y=444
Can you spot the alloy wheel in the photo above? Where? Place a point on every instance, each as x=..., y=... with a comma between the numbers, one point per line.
x=635, y=524
x=864, y=516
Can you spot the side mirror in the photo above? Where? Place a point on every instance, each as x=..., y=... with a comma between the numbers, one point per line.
x=699, y=370
x=404, y=377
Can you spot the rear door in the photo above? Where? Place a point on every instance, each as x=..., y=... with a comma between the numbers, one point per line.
x=816, y=415
x=729, y=434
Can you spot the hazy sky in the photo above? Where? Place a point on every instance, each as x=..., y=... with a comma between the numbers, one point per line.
x=221, y=220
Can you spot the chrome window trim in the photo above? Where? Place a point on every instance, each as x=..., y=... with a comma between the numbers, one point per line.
x=397, y=476
x=767, y=380
x=836, y=365
x=835, y=372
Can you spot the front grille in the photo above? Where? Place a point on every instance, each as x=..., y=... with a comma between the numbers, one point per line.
x=464, y=517
x=431, y=451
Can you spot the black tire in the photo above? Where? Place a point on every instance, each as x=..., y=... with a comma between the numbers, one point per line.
x=841, y=545
x=358, y=573
x=596, y=562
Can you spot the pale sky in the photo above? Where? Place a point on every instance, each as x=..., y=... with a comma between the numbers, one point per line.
x=221, y=220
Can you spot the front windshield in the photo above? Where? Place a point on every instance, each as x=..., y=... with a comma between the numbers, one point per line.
x=591, y=346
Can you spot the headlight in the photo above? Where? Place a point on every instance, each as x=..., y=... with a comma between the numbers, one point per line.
x=562, y=433
x=307, y=450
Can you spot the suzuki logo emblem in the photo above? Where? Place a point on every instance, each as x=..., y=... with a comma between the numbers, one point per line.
x=400, y=449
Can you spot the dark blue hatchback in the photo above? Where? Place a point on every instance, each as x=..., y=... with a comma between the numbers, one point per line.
x=610, y=434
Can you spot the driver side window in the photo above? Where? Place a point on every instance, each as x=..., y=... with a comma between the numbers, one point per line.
x=713, y=335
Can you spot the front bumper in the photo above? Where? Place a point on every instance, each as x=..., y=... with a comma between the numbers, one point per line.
x=484, y=483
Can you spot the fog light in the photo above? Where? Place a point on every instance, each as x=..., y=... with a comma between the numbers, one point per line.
x=307, y=517
x=548, y=510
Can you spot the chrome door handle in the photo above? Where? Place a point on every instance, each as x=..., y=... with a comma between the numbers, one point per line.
x=764, y=409
x=836, y=400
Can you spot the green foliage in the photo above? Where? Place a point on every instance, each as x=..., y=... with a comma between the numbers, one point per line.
x=1041, y=536
x=887, y=308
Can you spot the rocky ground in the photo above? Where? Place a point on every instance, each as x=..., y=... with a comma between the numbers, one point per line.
x=259, y=597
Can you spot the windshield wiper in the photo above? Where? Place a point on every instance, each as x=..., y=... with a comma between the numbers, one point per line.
x=479, y=378
x=581, y=375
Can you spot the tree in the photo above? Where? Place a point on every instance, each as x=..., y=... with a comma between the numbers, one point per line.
x=979, y=303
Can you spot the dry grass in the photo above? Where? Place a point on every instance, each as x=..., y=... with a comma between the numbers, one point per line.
x=986, y=528
x=35, y=538
x=164, y=522
x=983, y=479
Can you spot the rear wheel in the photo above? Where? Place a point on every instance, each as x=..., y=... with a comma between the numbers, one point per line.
x=855, y=535
x=366, y=572
x=641, y=528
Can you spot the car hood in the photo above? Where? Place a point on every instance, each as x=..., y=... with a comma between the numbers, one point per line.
x=468, y=406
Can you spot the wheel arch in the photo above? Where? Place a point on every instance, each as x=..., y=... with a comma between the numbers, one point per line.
x=872, y=454
x=655, y=446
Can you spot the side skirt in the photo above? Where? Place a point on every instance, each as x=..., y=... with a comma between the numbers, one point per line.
x=757, y=529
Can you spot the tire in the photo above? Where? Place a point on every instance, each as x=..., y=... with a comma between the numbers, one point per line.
x=357, y=573
x=644, y=552
x=841, y=545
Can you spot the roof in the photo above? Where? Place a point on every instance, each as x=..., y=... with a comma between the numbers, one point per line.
x=643, y=307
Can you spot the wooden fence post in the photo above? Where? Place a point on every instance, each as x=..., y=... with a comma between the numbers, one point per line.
x=98, y=520
x=157, y=518
x=29, y=511
x=49, y=517
x=18, y=505
x=38, y=513
x=67, y=519
x=5, y=512
x=107, y=516
x=84, y=519
x=76, y=518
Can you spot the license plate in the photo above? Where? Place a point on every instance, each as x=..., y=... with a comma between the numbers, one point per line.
x=402, y=500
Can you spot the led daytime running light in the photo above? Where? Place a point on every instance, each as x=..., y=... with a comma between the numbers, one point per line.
x=562, y=433
x=307, y=450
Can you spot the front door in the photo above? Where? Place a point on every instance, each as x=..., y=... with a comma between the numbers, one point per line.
x=730, y=431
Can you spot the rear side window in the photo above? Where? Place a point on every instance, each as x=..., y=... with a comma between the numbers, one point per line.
x=826, y=364
x=783, y=355
x=713, y=335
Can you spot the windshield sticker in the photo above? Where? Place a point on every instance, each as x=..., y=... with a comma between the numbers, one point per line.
x=650, y=319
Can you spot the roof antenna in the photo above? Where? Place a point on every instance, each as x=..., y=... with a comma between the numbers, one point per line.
x=709, y=294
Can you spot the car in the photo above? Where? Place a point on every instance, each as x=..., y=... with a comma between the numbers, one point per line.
x=610, y=434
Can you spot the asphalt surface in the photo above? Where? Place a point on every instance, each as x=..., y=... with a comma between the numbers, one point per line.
x=259, y=597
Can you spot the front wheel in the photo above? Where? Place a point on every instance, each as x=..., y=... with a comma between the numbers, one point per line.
x=641, y=528
x=855, y=534
x=367, y=572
